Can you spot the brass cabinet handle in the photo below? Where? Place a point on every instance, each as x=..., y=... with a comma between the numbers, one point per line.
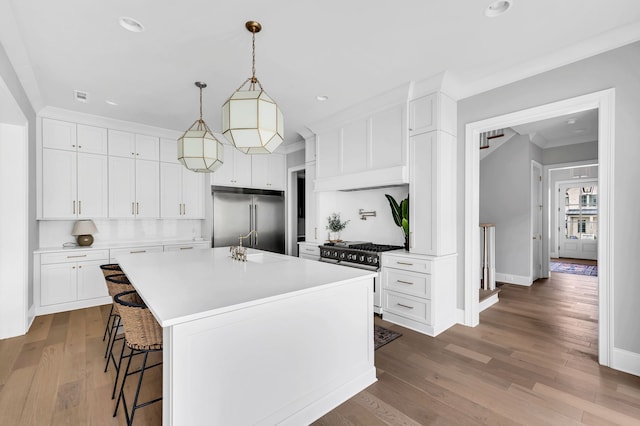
x=404, y=306
x=78, y=255
x=74, y=207
x=80, y=207
x=80, y=267
x=404, y=263
x=138, y=251
x=133, y=206
x=184, y=209
x=186, y=248
x=137, y=208
x=404, y=282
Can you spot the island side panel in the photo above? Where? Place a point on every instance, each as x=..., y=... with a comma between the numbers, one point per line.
x=286, y=361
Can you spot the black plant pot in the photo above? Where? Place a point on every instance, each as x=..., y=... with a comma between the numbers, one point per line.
x=406, y=242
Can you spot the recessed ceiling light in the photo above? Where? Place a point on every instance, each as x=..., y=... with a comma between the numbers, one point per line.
x=571, y=121
x=111, y=103
x=497, y=8
x=130, y=24
x=322, y=97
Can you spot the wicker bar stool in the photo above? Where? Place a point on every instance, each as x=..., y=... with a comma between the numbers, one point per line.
x=143, y=335
x=107, y=270
x=116, y=284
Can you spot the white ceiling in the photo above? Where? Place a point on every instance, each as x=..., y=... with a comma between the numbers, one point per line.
x=564, y=130
x=347, y=50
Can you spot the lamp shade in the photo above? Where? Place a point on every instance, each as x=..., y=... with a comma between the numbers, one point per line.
x=84, y=227
x=200, y=150
x=253, y=122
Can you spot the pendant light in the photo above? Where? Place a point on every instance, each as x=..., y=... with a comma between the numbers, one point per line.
x=199, y=149
x=251, y=120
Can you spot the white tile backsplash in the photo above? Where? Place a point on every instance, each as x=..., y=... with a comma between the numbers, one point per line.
x=54, y=233
x=380, y=229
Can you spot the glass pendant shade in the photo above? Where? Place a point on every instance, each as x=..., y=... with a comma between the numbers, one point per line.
x=200, y=150
x=252, y=121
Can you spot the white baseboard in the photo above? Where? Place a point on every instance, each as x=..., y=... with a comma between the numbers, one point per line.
x=513, y=279
x=489, y=301
x=626, y=361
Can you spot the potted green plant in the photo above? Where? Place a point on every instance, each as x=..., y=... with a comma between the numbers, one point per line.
x=335, y=225
x=400, y=213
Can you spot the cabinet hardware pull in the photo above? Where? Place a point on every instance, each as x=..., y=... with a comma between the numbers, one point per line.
x=186, y=248
x=73, y=267
x=133, y=211
x=404, y=306
x=78, y=255
x=405, y=263
x=80, y=207
x=74, y=207
x=184, y=209
x=309, y=250
x=138, y=251
x=79, y=146
x=405, y=282
x=80, y=267
x=315, y=230
x=137, y=208
x=133, y=153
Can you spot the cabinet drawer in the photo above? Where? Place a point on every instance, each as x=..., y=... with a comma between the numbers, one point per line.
x=407, y=282
x=74, y=256
x=309, y=250
x=407, y=263
x=134, y=250
x=408, y=306
x=192, y=246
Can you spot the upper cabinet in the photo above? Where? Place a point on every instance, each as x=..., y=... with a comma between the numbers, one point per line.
x=169, y=151
x=182, y=192
x=235, y=169
x=364, y=152
x=130, y=145
x=73, y=137
x=268, y=171
x=435, y=111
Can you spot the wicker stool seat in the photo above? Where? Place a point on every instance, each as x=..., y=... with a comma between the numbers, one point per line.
x=109, y=269
x=143, y=335
x=116, y=284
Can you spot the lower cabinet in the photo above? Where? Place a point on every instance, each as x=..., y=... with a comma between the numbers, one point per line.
x=309, y=251
x=419, y=292
x=72, y=280
x=115, y=253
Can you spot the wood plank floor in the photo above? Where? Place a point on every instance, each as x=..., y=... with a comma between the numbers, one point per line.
x=532, y=360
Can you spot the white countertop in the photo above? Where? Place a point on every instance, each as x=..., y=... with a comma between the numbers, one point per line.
x=121, y=244
x=188, y=285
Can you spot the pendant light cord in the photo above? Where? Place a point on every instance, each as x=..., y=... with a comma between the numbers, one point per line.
x=201, y=104
x=253, y=60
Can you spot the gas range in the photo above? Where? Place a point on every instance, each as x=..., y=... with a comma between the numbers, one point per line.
x=359, y=254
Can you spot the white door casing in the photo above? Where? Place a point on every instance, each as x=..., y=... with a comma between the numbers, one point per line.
x=536, y=220
x=604, y=101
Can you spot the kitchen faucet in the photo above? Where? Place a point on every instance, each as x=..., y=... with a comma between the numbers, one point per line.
x=238, y=252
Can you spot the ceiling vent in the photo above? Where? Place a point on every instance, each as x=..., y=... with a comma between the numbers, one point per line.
x=81, y=96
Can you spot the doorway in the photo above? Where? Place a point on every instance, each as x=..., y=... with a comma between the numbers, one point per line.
x=537, y=205
x=295, y=208
x=603, y=101
x=577, y=219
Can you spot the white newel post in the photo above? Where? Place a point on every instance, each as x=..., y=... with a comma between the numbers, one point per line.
x=488, y=242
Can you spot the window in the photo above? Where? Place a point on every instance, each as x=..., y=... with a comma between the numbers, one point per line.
x=589, y=200
x=582, y=226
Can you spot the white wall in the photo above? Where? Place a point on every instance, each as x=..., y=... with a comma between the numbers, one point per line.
x=380, y=229
x=504, y=201
x=25, y=162
x=619, y=69
x=569, y=153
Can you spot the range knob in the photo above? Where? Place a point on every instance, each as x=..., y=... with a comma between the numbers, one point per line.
x=375, y=260
x=342, y=255
x=362, y=258
x=349, y=256
x=369, y=259
x=335, y=254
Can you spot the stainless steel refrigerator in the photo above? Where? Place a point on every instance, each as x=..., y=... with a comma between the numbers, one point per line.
x=237, y=211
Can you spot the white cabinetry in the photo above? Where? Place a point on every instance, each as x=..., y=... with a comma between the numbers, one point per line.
x=419, y=292
x=169, y=151
x=435, y=111
x=235, y=170
x=129, y=145
x=71, y=280
x=134, y=188
x=73, y=185
x=310, y=204
x=364, y=152
x=203, y=245
x=432, y=193
x=71, y=137
x=115, y=253
x=268, y=171
x=182, y=195
x=309, y=251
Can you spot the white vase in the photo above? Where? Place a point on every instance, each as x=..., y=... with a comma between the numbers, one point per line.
x=334, y=236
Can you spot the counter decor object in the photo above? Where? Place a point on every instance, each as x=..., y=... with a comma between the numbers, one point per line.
x=334, y=226
x=83, y=230
x=400, y=214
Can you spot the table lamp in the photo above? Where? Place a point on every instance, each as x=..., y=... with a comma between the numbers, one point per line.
x=83, y=230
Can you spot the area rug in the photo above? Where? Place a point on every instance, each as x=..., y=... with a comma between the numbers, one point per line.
x=382, y=336
x=573, y=268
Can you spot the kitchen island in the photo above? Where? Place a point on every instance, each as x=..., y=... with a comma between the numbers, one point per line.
x=274, y=340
